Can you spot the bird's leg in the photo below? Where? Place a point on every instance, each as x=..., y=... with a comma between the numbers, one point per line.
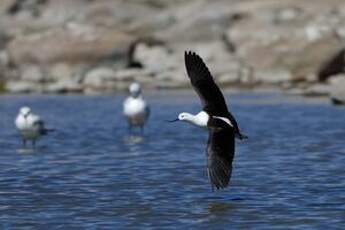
x=241, y=136
x=141, y=130
x=33, y=143
x=24, y=143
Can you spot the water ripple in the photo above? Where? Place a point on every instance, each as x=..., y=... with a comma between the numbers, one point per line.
x=91, y=174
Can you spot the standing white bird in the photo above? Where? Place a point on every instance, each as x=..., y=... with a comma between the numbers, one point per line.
x=135, y=108
x=215, y=116
x=30, y=126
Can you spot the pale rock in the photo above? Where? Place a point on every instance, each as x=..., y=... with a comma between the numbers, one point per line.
x=87, y=45
x=131, y=74
x=197, y=21
x=317, y=90
x=214, y=53
x=97, y=78
x=176, y=75
x=31, y=73
x=289, y=14
x=229, y=78
x=4, y=58
x=294, y=91
x=60, y=71
x=272, y=76
x=155, y=59
x=314, y=32
x=22, y=87
x=64, y=86
x=169, y=85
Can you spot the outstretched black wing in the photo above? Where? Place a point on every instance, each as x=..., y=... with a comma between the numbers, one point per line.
x=220, y=154
x=211, y=97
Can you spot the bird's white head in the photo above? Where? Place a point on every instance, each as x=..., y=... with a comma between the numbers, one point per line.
x=200, y=119
x=25, y=111
x=185, y=117
x=135, y=89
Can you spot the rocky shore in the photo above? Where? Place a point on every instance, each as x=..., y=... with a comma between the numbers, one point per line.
x=100, y=46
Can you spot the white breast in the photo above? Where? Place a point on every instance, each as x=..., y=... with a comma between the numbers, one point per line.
x=27, y=126
x=201, y=119
x=134, y=106
x=136, y=110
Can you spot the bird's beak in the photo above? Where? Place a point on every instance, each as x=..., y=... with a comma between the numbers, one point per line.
x=173, y=120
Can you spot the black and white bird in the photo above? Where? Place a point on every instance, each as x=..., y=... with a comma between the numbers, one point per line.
x=215, y=116
x=30, y=126
x=135, y=108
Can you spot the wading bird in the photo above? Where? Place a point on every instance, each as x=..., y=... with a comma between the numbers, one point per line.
x=30, y=126
x=135, y=108
x=215, y=116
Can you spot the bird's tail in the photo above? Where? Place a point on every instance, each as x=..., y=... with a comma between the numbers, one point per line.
x=46, y=131
x=241, y=136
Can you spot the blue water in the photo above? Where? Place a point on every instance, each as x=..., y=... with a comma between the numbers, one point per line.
x=90, y=174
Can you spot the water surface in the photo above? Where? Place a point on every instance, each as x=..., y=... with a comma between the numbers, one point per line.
x=91, y=174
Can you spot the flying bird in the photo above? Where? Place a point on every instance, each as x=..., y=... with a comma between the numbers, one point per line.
x=30, y=126
x=135, y=108
x=215, y=116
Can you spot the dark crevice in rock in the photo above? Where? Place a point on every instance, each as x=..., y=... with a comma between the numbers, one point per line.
x=333, y=66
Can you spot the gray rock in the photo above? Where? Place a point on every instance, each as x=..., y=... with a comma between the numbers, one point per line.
x=294, y=91
x=272, y=76
x=288, y=15
x=63, y=86
x=129, y=75
x=197, y=21
x=76, y=43
x=31, y=73
x=97, y=78
x=229, y=78
x=169, y=85
x=154, y=59
x=317, y=90
x=22, y=87
x=215, y=55
x=60, y=71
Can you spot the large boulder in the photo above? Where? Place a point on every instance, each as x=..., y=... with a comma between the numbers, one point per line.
x=99, y=79
x=22, y=87
x=155, y=59
x=197, y=21
x=74, y=43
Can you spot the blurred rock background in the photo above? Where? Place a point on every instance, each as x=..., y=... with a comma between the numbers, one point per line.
x=100, y=46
